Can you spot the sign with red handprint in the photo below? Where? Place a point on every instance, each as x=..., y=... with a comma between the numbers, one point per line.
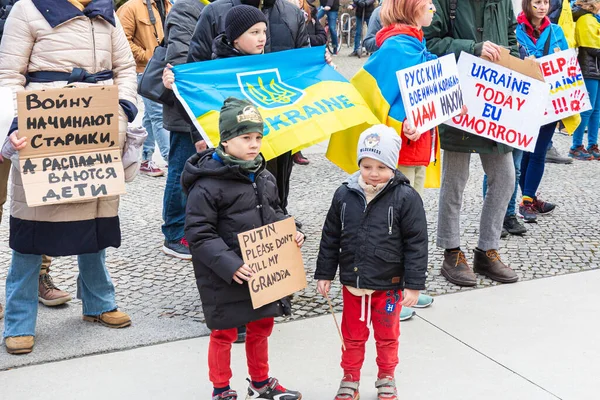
x=568, y=95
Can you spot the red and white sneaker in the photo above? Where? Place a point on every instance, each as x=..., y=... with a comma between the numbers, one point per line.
x=386, y=388
x=271, y=391
x=151, y=169
x=348, y=389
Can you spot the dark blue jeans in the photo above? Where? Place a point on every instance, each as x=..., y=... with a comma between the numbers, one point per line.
x=332, y=17
x=532, y=164
x=174, y=199
x=359, y=30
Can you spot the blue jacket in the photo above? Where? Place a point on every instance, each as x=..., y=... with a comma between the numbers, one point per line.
x=554, y=33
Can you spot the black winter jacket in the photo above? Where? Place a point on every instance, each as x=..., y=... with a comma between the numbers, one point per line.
x=364, y=6
x=179, y=26
x=382, y=246
x=316, y=32
x=285, y=31
x=589, y=60
x=222, y=202
x=221, y=48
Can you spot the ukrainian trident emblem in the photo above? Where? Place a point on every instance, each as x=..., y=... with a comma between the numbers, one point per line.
x=266, y=90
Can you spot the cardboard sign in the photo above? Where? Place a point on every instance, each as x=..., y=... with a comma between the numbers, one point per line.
x=431, y=92
x=272, y=253
x=7, y=112
x=568, y=95
x=73, y=149
x=504, y=105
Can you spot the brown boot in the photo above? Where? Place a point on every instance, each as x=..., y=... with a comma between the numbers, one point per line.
x=456, y=269
x=48, y=294
x=488, y=263
x=19, y=344
x=111, y=319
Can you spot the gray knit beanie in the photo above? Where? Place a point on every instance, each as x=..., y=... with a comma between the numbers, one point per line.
x=380, y=143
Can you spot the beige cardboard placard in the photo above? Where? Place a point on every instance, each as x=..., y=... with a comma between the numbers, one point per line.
x=73, y=149
x=527, y=67
x=272, y=253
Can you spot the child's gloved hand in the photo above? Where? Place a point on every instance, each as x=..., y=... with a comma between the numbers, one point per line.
x=243, y=274
x=299, y=238
x=323, y=287
x=411, y=297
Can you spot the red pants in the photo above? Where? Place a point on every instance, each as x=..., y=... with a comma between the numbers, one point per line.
x=385, y=319
x=257, y=352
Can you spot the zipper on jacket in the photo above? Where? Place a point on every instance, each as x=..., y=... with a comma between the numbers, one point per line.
x=94, y=45
x=390, y=219
x=259, y=204
x=343, y=214
x=358, y=282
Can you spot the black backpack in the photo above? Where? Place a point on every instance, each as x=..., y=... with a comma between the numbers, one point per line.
x=5, y=6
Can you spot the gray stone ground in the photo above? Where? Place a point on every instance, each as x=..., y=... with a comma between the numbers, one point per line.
x=160, y=293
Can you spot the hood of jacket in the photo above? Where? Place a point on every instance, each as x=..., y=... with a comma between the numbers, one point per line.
x=207, y=165
x=529, y=29
x=221, y=48
x=57, y=12
x=398, y=29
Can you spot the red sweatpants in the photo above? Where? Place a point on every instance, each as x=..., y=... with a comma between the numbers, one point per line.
x=257, y=352
x=385, y=319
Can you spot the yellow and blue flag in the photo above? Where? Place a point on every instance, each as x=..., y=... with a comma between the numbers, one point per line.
x=301, y=99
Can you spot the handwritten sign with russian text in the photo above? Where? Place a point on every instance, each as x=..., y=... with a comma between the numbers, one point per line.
x=504, y=105
x=431, y=92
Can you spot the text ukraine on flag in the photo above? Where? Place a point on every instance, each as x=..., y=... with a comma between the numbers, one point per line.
x=301, y=99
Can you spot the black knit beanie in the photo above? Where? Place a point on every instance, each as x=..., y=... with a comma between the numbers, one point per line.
x=241, y=18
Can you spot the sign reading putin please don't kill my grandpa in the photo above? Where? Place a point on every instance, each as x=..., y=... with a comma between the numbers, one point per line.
x=272, y=253
x=73, y=151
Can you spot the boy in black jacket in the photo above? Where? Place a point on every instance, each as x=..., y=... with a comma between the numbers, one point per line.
x=376, y=231
x=229, y=192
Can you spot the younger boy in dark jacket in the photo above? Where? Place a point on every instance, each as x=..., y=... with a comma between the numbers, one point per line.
x=229, y=192
x=376, y=231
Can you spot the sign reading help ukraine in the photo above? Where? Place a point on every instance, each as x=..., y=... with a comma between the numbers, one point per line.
x=568, y=95
x=504, y=105
x=301, y=99
x=431, y=92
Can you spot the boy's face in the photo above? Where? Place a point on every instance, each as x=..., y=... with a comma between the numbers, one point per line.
x=245, y=147
x=375, y=172
x=253, y=40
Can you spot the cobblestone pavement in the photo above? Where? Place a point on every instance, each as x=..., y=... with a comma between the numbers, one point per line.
x=154, y=288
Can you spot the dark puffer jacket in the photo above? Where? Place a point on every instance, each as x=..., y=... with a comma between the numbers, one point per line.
x=286, y=29
x=379, y=246
x=587, y=35
x=221, y=48
x=222, y=202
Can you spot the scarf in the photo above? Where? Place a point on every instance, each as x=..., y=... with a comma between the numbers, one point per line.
x=370, y=190
x=533, y=33
x=252, y=166
x=398, y=29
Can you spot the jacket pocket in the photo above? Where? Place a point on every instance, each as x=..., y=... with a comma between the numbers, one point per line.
x=388, y=256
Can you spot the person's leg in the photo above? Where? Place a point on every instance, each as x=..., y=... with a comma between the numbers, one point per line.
x=534, y=169
x=500, y=170
x=455, y=174
x=512, y=204
x=419, y=184
x=154, y=111
x=219, y=358
x=332, y=17
x=358, y=33
x=484, y=186
x=355, y=334
x=257, y=349
x=592, y=88
x=48, y=294
x=281, y=168
x=174, y=199
x=594, y=121
x=4, y=172
x=94, y=285
x=320, y=13
x=409, y=172
x=148, y=148
x=22, y=295
x=385, y=312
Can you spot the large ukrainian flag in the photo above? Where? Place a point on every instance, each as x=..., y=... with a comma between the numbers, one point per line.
x=377, y=83
x=301, y=99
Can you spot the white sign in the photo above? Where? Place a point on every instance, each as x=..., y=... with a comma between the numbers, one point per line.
x=431, y=92
x=504, y=105
x=568, y=95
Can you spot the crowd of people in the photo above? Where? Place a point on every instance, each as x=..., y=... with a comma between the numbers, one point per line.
x=375, y=234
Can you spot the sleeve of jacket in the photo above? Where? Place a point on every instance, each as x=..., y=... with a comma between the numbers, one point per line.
x=374, y=26
x=15, y=50
x=123, y=65
x=439, y=41
x=201, y=233
x=320, y=37
x=302, y=38
x=329, y=249
x=203, y=36
x=413, y=225
x=127, y=17
x=512, y=32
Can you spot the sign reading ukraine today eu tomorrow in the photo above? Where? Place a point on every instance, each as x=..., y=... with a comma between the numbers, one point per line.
x=301, y=99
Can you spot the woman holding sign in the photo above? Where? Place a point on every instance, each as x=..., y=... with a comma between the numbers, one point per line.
x=537, y=37
x=49, y=44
